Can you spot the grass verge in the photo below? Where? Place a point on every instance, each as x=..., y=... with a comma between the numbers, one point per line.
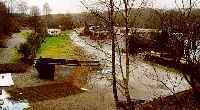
x=25, y=34
x=59, y=47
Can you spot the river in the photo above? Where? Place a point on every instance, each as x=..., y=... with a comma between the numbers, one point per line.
x=146, y=81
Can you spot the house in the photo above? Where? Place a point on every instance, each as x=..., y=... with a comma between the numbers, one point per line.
x=5, y=81
x=54, y=32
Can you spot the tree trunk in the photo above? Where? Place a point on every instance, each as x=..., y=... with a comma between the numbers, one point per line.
x=114, y=82
x=126, y=81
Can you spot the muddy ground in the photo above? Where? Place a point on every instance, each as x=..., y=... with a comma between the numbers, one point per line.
x=69, y=91
x=64, y=93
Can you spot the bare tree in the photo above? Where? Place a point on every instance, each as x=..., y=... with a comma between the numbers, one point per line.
x=46, y=9
x=35, y=17
x=110, y=21
x=46, y=12
x=111, y=17
x=39, y=29
x=120, y=75
x=126, y=80
x=184, y=21
x=12, y=5
x=22, y=8
x=8, y=23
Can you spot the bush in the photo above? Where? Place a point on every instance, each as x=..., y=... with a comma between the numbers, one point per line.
x=25, y=49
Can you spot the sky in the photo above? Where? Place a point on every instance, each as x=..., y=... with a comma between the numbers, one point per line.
x=58, y=6
x=75, y=6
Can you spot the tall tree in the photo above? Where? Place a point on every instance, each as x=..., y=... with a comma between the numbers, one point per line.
x=46, y=9
x=8, y=23
x=35, y=18
x=46, y=12
x=112, y=33
x=126, y=79
x=22, y=8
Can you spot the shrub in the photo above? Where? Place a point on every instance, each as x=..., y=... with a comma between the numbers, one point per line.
x=25, y=49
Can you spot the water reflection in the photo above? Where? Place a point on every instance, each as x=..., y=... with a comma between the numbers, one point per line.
x=6, y=103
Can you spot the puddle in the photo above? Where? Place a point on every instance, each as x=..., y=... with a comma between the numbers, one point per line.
x=6, y=103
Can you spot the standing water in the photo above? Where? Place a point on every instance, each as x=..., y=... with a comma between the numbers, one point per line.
x=145, y=81
x=6, y=103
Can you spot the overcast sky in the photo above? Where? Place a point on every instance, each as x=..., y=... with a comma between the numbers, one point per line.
x=75, y=6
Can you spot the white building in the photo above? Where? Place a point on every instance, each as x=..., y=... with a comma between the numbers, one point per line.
x=5, y=81
x=54, y=32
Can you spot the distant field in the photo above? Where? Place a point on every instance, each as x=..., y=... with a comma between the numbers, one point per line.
x=59, y=47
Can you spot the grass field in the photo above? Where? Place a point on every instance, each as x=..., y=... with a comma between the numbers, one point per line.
x=59, y=47
x=25, y=34
x=9, y=55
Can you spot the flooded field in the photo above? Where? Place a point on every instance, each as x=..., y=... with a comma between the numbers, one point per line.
x=77, y=87
x=146, y=81
x=69, y=81
x=7, y=103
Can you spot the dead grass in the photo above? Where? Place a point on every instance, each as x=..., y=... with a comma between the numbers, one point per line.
x=60, y=94
x=183, y=101
x=91, y=100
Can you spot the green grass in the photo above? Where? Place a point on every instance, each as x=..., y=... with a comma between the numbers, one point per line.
x=16, y=56
x=9, y=55
x=58, y=47
x=25, y=34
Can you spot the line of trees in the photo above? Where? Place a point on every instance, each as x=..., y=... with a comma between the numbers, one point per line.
x=144, y=17
x=39, y=26
x=16, y=15
x=8, y=22
x=62, y=21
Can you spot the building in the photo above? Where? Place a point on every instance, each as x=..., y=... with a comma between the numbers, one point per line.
x=54, y=32
x=5, y=81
